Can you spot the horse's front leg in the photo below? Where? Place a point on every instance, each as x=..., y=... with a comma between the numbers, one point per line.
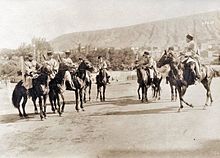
x=90, y=86
x=35, y=105
x=104, y=88
x=41, y=108
x=63, y=106
x=138, y=91
x=45, y=107
x=143, y=93
x=77, y=99
x=23, y=106
x=81, y=99
x=84, y=98
x=58, y=103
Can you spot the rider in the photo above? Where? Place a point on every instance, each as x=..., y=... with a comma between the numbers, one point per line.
x=70, y=66
x=31, y=67
x=150, y=65
x=102, y=65
x=51, y=64
x=191, y=53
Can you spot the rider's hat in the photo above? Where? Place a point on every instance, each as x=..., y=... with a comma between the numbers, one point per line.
x=146, y=53
x=49, y=52
x=171, y=48
x=189, y=36
x=67, y=52
x=30, y=55
x=99, y=57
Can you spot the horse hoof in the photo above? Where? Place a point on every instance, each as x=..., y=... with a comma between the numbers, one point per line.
x=36, y=112
x=83, y=109
x=191, y=106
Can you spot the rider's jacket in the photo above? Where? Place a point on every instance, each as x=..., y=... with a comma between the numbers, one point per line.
x=30, y=67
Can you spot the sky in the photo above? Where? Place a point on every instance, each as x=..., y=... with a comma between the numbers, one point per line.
x=21, y=20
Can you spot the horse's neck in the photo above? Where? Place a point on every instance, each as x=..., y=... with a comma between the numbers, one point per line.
x=174, y=69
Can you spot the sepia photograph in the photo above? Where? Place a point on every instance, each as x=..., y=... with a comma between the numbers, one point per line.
x=110, y=79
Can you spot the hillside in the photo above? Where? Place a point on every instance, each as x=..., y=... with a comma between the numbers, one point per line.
x=205, y=27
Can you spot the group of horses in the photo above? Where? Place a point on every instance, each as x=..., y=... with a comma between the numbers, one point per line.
x=180, y=77
x=54, y=88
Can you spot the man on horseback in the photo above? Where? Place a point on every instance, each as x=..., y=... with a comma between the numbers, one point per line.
x=67, y=61
x=31, y=67
x=51, y=64
x=149, y=65
x=191, y=54
x=102, y=65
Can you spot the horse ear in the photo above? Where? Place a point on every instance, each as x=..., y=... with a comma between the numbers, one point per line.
x=165, y=52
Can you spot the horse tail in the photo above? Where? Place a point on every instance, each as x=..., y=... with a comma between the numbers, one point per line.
x=17, y=94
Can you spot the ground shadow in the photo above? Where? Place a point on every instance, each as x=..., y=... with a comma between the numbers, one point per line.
x=208, y=149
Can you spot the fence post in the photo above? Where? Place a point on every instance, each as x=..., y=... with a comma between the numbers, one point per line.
x=22, y=67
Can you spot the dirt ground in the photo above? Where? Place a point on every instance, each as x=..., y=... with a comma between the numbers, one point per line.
x=121, y=127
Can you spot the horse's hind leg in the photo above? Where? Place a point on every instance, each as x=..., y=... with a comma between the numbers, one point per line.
x=58, y=103
x=23, y=106
x=84, y=97
x=207, y=84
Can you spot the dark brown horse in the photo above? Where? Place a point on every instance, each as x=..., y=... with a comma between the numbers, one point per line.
x=182, y=77
x=101, y=81
x=38, y=91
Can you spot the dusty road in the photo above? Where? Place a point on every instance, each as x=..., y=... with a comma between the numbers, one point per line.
x=120, y=127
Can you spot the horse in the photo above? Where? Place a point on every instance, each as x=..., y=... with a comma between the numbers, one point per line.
x=20, y=92
x=143, y=81
x=81, y=81
x=56, y=90
x=39, y=90
x=182, y=77
x=156, y=86
x=101, y=81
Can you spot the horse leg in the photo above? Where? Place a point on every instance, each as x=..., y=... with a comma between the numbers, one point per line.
x=100, y=93
x=41, y=108
x=207, y=84
x=58, y=103
x=35, y=105
x=45, y=107
x=81, y=99
x=77, y=100
x=175, y=90
x=143, y=93
x=23, y=106
x=172, y=92
x=138, y=91
x=62, y=96
x=183, y=91
x=97, y=95
x=104, y=88
x=90, y=86
x=52, y=100
x=84, y=98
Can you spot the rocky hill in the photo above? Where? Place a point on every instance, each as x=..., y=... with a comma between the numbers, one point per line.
x=205, y=27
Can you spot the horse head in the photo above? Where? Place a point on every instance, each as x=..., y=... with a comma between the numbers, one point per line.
x=166, y=58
